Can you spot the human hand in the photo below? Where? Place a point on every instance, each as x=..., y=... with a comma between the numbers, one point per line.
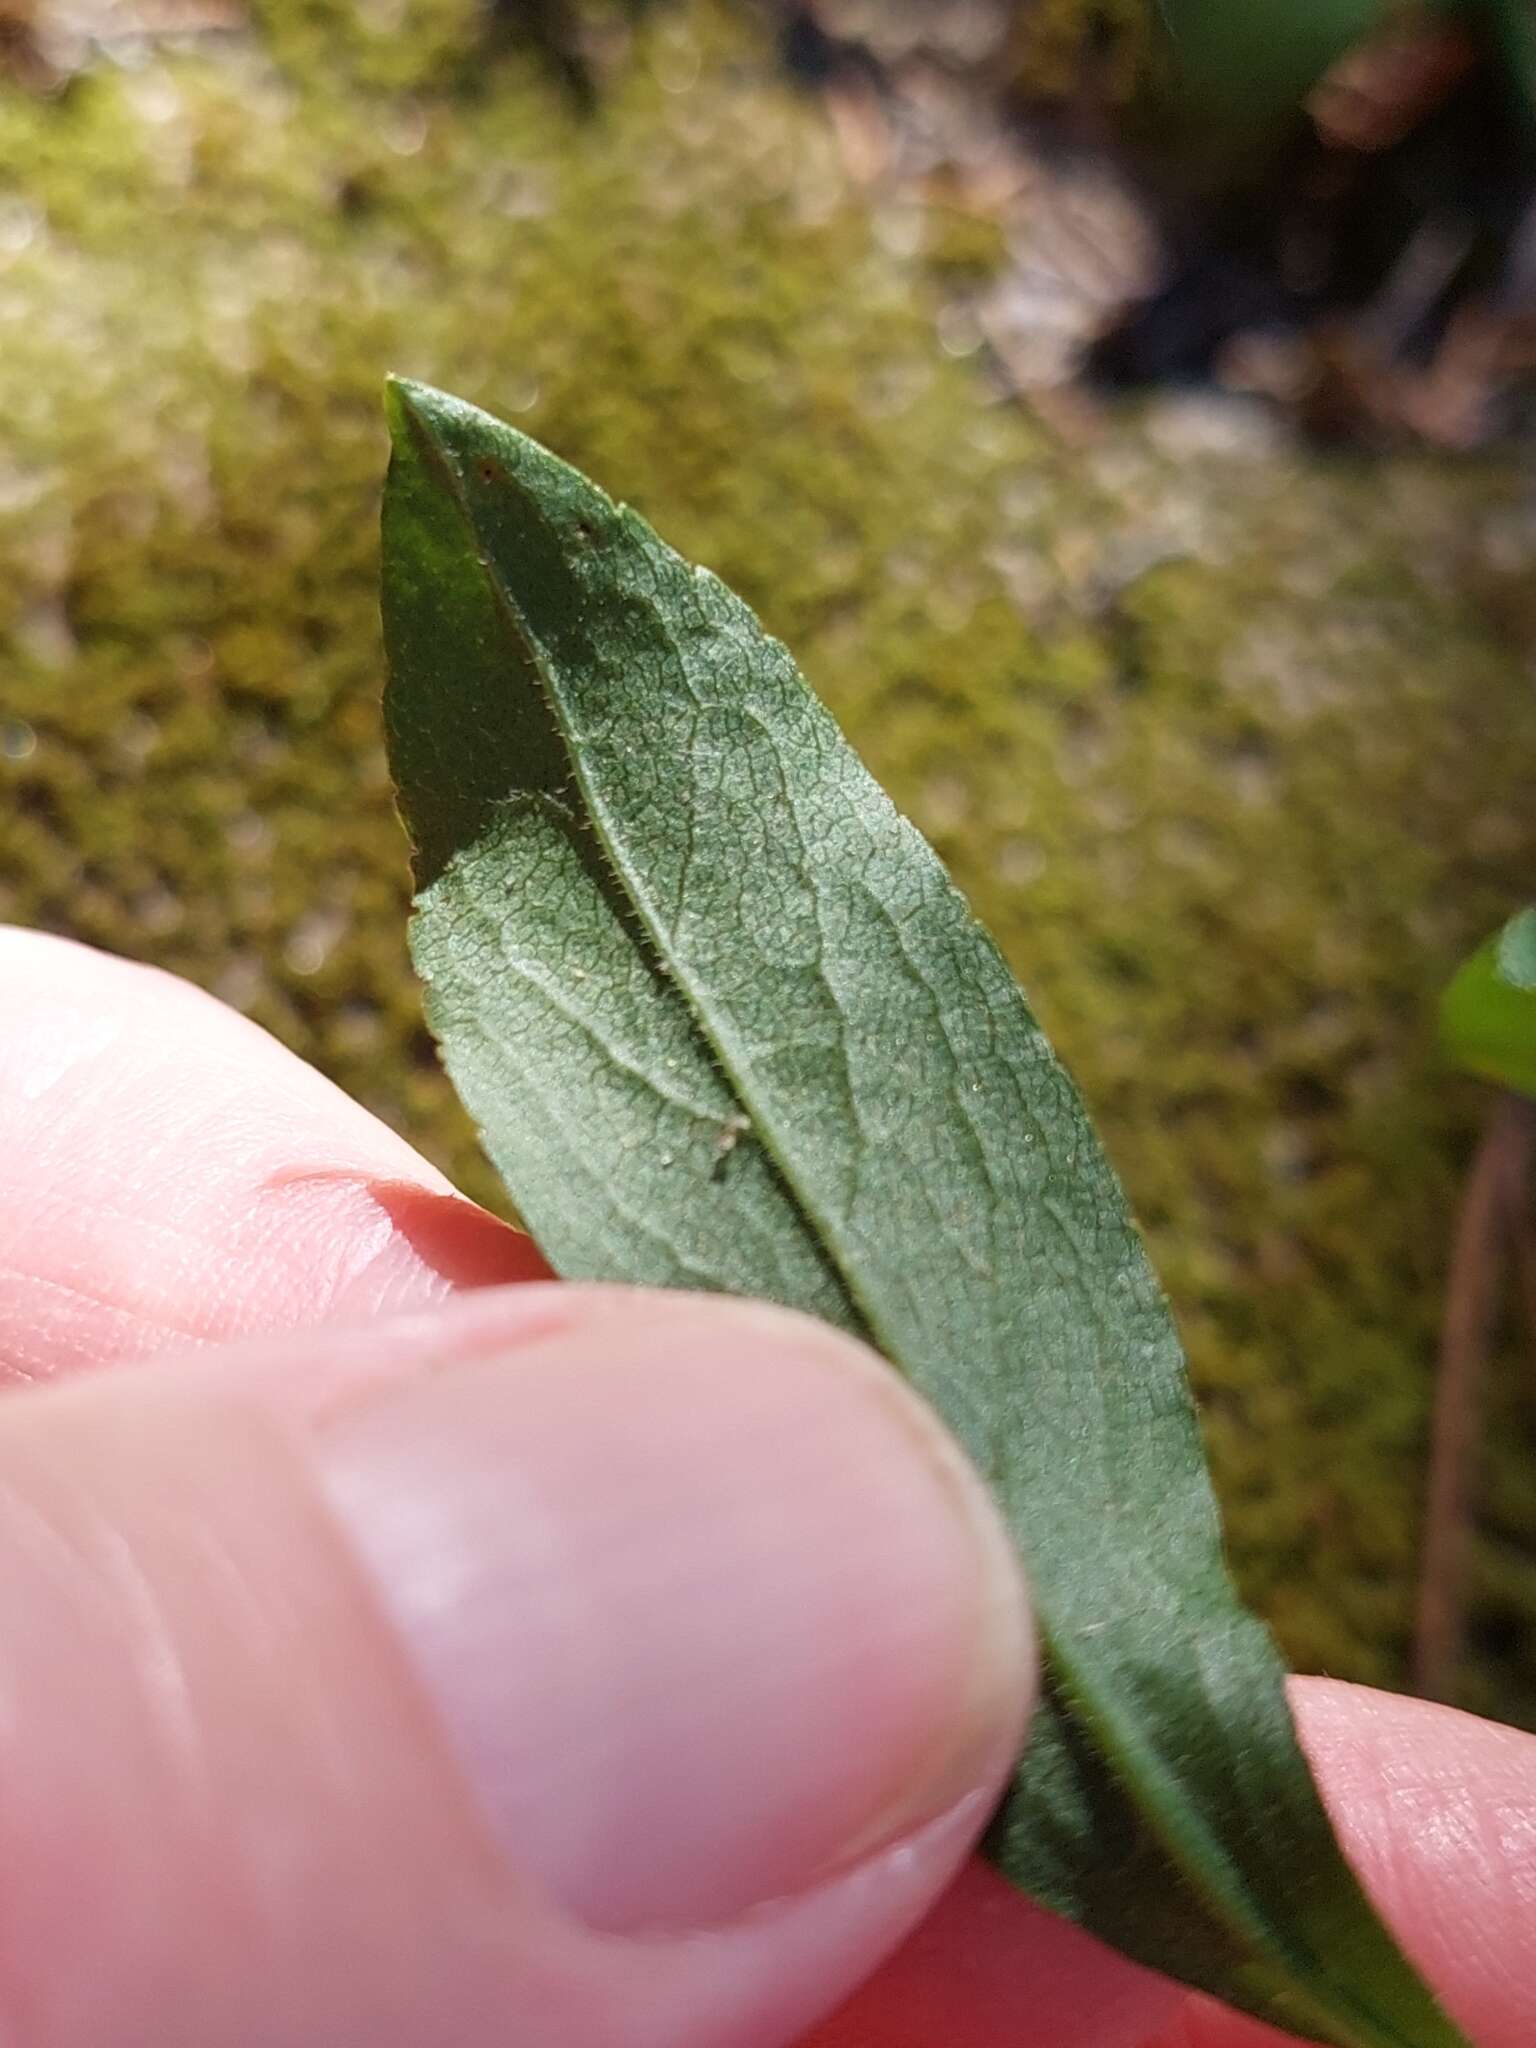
x=568, y=1666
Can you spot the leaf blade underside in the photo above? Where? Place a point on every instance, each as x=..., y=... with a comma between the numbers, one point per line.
x=725, y=1022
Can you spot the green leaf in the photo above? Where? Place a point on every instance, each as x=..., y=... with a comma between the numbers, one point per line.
x=1258, y=59
x=1516, y=952
x=1511, y=27
x=1488, y=1014
x=724, y=1022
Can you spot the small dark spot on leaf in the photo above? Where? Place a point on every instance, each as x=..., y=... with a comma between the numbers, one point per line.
x=491, y=472
x=586, y=532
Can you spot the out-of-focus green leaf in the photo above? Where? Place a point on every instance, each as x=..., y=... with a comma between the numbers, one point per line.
x=1488, y=1014
x=725, y=1022
x=1511, y=25
x=1517, y=950
x=1256, y=60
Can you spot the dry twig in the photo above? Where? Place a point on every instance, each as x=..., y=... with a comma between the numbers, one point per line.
x=1492, y=1225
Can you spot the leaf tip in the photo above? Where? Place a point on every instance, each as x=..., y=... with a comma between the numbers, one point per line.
x=525, y=506
x=413, y=407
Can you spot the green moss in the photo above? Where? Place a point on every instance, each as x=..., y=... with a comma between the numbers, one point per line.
x=386, y=46
x=963, y=250
x=1228, y=745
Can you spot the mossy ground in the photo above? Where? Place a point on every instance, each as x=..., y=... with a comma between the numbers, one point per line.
x=1059, y=46
x=1234, y=747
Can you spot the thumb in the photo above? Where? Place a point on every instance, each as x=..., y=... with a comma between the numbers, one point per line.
x=569, y=1666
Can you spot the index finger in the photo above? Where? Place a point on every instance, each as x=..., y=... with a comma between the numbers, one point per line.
x=169, y=1174
x=1436, y=1810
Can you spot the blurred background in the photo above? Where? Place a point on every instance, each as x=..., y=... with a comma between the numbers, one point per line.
x=1132, y=439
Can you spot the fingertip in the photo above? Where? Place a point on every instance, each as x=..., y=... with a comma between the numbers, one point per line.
x=1437, y=1811
x=171, y=1174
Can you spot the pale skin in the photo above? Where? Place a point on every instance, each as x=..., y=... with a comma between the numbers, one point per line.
x=402, y=1650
